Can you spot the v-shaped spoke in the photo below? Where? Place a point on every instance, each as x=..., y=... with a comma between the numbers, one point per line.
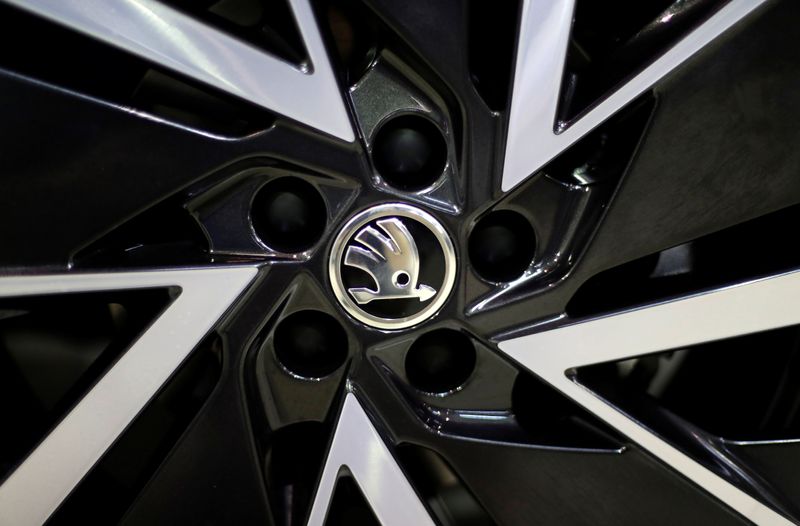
x=171, y=39
x=752, y=307
x=70, y=450
x=358, y=447
x=544, y=34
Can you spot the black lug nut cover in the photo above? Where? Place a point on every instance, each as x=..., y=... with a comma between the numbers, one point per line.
x=288, y=214
x=310, y=344
x=440, y=361
x=502, y=246
x=409, y=152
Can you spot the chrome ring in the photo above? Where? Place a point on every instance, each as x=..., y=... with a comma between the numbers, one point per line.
x=371, y=214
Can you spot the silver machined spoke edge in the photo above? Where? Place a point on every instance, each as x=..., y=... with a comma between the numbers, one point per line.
x=44, y=479
x=167, y=37
x=541, y=53
x=357, y=446
x=733, y=311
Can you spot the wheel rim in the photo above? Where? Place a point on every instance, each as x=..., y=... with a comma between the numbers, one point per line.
x=578, y=200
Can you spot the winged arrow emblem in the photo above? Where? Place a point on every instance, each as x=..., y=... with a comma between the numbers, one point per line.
x=390, y=256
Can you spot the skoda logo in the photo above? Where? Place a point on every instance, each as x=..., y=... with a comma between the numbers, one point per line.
x=392, y=266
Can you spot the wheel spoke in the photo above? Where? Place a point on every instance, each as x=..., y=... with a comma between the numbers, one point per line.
x=584, y=201
x=543, y=37
x=752, y=307
x=358, y=446
x=71, y=448
x=154, y=31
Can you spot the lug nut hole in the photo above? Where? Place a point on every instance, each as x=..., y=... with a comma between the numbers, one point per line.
x=440, y=361
x=409, y=152
x=502, y=246
x=288, y=214
x=310, y=344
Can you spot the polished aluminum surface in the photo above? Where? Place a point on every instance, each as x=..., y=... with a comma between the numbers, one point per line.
x=532, y=139
x=752, y=307
x=358, y=447
x=46, y=477
x=390, y=257
x=171, y=39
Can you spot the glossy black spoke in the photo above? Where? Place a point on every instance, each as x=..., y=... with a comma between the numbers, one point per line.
x=698, y=172
x=603, y=471
x=714, y=155
x=107, y=169
x=417, y=37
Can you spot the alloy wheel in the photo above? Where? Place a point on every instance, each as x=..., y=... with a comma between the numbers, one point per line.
x=369, y=262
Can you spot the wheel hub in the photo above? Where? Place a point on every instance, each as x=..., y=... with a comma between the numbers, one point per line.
x=392, y=266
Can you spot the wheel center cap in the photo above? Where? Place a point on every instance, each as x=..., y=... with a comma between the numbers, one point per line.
x=392, y=266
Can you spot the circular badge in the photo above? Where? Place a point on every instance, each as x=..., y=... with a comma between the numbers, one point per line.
x=392, y=266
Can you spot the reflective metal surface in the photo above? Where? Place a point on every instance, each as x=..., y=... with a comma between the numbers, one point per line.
x=37, y=487
x=382, y=94
x=533, y=138
x=727, y=312
x=477, y=427
x=171, y=39
x=391, y=258
x=387, y=269
x=358, y=447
